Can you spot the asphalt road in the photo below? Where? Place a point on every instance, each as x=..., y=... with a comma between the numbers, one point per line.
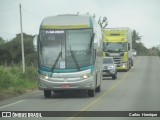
x=135, y=90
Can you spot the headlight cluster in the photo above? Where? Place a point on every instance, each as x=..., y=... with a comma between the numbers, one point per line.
x=87, y=76
x=44, y=77
x=124, y=65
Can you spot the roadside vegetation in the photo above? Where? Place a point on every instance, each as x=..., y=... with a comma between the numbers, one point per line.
x=13, y=82
x=141, y=48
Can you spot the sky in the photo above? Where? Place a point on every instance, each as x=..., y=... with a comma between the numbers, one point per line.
x=140, y=15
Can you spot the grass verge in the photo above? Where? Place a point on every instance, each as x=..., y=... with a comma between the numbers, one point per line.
x=13, y=82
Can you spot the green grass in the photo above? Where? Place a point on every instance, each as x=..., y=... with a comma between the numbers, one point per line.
x=13, y=82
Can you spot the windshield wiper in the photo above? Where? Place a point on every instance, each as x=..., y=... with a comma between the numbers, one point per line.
x=54, y=65
x=75, y=60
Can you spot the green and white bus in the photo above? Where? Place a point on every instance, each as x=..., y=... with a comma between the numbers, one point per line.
x=70, y=49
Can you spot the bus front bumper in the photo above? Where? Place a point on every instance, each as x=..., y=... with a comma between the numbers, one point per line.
x=67, y=83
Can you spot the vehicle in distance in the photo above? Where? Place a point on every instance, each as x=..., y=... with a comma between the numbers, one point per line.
x=109, y=67
x=134, y=52
x=118, y=44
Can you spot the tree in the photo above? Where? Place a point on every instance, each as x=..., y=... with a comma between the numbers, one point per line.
x=2, y=41
x=10, y=52
x=103, y=22
x=136, y=37
x=5, y=56
x=137, y=44
x=154, y=51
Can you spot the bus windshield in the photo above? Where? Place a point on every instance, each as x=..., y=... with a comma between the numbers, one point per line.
x=50, y=45
x=70, y=47
x=78, y=41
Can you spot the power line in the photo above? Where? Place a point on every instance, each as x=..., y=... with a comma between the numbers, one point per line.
x=25, y=10
x=7, y=10
x=31, y=13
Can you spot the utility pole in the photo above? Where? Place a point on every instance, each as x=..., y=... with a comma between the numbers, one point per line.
x=22, y=43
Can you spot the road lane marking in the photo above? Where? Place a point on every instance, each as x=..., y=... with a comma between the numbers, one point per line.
x=114, y=86
x=158, y=59
x=11, y=104
x=39, y=94
x=98, y=99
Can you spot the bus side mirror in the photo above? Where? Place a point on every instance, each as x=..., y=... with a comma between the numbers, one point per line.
x=35, y=39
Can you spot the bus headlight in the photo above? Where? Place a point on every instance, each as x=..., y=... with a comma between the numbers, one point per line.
x=87, y=76
x=45, y=77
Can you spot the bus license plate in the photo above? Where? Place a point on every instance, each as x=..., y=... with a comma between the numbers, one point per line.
x=65, y=86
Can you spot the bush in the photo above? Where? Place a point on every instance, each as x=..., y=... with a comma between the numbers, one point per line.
x=13, y=81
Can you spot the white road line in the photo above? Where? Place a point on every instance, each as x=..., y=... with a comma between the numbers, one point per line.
x=11, y=104
x=39, y=94
x=158, y=58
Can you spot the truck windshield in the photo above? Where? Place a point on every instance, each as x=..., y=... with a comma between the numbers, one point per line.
x=70, y=47
x=115, y=47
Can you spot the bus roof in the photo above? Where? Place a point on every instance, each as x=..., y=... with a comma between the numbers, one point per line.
x=67, y=22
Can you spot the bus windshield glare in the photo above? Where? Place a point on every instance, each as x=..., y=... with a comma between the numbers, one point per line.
x=70, y=47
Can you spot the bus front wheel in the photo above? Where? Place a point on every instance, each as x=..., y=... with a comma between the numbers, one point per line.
x=47, y=93
x=91, y=93
x=98, y=89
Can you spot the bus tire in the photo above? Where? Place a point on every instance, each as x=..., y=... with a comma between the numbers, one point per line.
x=47, y=93
x=98, y=89
x=91, y=93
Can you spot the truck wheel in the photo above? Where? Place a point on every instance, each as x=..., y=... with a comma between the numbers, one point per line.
x=47, y=93
x=91, y=93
